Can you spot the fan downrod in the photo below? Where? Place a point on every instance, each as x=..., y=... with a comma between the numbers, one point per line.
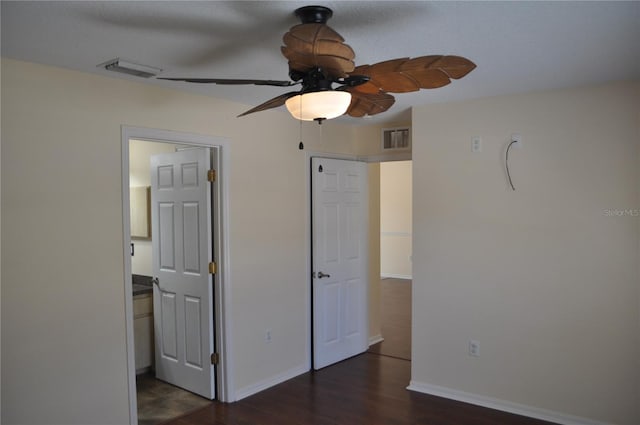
x=314, y=14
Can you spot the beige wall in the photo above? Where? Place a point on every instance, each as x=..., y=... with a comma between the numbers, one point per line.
x=375, y=332
x=140, y=152
x=395, y=219
x=1, y=221
x=63, y=321
x=542, y=277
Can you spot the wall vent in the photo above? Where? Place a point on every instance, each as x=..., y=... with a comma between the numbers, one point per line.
x=396, y=139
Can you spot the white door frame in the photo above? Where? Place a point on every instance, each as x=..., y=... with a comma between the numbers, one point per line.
x=222, y=292
x=308, y=240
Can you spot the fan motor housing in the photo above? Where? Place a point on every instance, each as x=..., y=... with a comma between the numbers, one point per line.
x=315, y=80
x=314, y=14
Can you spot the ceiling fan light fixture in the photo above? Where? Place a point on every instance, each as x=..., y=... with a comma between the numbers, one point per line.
x=319, y=105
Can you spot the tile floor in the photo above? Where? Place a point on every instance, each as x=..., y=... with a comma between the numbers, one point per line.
x=158, y=401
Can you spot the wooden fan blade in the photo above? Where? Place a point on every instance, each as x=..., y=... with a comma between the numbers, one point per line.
x=407, y=75
x=327, y=47
x=333, y=66
x=271, y=103
x=368, y=104
x=227, y=81
x=313, y=45
x=368, y=87
x=455, y=67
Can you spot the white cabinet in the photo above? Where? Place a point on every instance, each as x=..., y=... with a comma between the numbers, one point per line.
x=143, y=331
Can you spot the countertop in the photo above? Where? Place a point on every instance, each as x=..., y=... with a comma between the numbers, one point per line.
x=142, y=284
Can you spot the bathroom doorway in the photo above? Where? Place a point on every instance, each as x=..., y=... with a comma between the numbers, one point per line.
x=160, y=395
x=148, y=299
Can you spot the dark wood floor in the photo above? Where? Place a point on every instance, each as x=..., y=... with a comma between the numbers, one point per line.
x=366, y=390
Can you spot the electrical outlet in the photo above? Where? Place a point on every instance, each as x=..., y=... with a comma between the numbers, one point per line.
x=267, y=336
x=474, y=348
x=476, y=144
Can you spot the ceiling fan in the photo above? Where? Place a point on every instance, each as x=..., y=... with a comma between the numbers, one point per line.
x=319, y=58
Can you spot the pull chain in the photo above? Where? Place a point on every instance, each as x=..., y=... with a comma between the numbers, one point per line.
x=301, y=145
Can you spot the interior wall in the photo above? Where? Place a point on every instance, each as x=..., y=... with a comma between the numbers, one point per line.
x=1, y=221
x=67, y=217
x=395, y=219
x=375, y=331
x=140, y=152
x=545, y=277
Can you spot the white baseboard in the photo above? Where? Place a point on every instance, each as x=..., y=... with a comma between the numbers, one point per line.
x=375, y=339
x=143, y=370
x=270, y=382
x=503, y=405
x=395, y=276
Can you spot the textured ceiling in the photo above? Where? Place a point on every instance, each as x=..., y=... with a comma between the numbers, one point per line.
x=518, y=46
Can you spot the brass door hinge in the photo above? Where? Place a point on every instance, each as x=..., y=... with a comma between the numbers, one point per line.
x=211, y=175
x=212, y=268
x=215, y=358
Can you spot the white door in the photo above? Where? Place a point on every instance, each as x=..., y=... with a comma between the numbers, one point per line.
x=182, y=250
x=340, y=281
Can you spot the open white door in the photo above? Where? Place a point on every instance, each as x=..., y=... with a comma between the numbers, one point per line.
x=339, y=226
x=182, y=250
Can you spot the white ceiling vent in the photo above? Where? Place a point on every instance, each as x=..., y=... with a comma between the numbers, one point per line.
x=396, y=139
x=126, y=67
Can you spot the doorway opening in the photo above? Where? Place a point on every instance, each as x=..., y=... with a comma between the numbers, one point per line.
x=149, y=350
x=395, y=269
x=389, y=288
x=158, y=400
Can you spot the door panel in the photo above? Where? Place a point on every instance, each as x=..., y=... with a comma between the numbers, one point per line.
x=191, y=237
x=339, y=226
x=182, y=250
x=331, y=319
x=168, y=318
x=193, y=351
x=166, y=234
x=352, y=315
